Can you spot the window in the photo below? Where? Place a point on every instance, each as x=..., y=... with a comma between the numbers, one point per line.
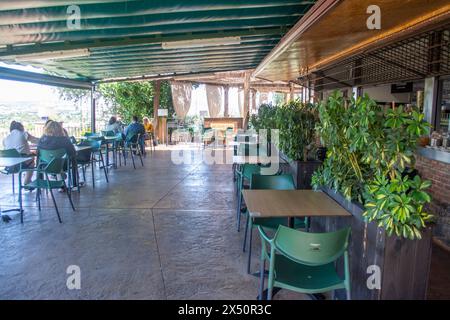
x=443, y=106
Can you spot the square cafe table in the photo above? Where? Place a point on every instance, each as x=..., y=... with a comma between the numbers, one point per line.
x=9, y=162
x=291, y=204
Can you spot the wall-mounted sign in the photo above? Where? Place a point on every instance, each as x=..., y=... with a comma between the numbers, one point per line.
x=402, y=87
x=163, y=112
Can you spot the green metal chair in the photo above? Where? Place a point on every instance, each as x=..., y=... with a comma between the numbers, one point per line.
x=119, y=149
x=51, y=163
x=11, y=153
x=277, y=182
x=132, y=143
x=108, y=133
x=304, y=262
x=245, y=172
x=96, y=156
x=242, y=149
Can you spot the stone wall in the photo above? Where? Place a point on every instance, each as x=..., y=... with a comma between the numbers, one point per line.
x=439, y=174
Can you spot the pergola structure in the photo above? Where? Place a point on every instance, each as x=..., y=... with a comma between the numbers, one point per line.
x=265, y=45
x=86, y=42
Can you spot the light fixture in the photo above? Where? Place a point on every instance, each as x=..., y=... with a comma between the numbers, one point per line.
x=52, y=55
x=201, y=43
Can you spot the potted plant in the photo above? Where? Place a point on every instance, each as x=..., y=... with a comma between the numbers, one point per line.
x=369, y=171
x=296, y=123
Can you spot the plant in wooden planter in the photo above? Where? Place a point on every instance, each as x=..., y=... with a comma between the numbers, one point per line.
x=370, y=159
x=296, y=123
x=297, y=140
x=265, y=119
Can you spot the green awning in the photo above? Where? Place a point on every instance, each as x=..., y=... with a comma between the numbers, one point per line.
x=124, y=38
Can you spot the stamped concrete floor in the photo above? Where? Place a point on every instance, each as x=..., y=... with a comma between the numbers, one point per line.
x=162, y=231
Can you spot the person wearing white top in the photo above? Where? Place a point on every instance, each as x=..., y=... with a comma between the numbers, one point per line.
x=18, y=139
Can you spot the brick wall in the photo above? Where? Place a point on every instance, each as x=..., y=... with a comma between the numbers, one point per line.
x=439, y=174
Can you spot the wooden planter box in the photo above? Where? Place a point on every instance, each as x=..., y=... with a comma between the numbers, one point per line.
x=302, y=171
x=404, y=264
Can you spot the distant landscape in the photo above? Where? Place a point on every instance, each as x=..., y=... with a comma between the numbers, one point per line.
x=33, y=115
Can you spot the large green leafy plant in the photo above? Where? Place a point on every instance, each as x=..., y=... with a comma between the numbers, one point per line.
x=265, y=119
x=370, y=159
x=135, y=98
x=296, y=122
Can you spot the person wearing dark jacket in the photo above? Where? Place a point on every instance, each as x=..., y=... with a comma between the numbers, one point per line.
x=54, y=138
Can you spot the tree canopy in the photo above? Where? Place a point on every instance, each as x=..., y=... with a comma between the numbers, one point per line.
x=127, y=98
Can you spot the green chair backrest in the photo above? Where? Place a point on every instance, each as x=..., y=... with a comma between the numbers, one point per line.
x=108, y=133
x=249, y=169
x=91, y=134
x=132, y=137
x=56, y=161
x=277, y=182
x=311, y=248
x=10, y=153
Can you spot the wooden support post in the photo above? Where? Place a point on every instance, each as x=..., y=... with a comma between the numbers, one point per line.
x=246, y=99
x=226, y=112
x=156, y=99
x=254, y=107
x=291, y=91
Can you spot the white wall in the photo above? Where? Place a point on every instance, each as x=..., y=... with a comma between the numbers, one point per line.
x=382, y=93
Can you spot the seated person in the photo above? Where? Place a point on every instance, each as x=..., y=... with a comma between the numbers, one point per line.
x=148, y=126
x=54, y=138
x=133, y=130
x=114, y=125
x=18, y=139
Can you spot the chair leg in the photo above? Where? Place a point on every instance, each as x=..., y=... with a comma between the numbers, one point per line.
x=140, y=154
x=249, y=262
x=104, y=167
x=261, y=276
x=20, y=199
x=132, y=157
x=70, y=198
x=13, y=184
x=92, y=171
x=38, y=196
x=56, y=206
x=239, y=204
x=245, y=233
x=83, y=169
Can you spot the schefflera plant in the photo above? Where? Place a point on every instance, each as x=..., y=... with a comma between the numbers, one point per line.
x=371, y=160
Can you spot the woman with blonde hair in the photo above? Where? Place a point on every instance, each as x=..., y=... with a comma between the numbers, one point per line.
x=54, y=138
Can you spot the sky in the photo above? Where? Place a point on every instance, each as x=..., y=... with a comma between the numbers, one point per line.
x=11, y=91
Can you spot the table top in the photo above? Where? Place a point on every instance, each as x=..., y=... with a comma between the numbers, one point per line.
x=9, y=162
x=109, y=138
x=292, y=203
